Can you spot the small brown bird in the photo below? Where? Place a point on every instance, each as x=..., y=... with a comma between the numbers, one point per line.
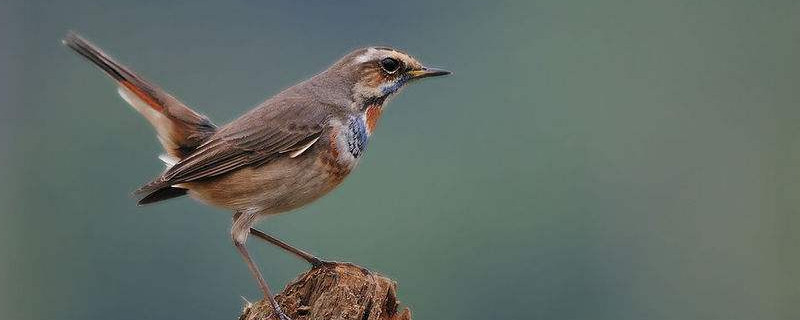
x=285, y=153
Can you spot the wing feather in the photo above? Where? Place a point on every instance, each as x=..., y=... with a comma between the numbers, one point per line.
x=283, y=128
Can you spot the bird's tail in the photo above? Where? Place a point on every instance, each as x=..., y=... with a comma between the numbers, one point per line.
x=179, y=128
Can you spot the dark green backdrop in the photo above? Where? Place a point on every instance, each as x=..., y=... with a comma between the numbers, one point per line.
x=587, y=160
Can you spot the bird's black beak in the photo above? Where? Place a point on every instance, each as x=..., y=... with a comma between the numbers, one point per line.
x=428, y=72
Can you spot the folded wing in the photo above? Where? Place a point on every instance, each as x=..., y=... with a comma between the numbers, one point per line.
x=281, y=128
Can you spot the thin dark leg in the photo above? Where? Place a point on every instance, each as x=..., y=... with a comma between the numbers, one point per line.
x=241, y=224
x=314, y=261
x=261, y=283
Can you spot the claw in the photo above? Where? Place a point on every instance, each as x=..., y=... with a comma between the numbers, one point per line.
x=330, y=264
x=317, y=263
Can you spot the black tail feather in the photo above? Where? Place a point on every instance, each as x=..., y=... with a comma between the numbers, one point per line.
x=163, y=194
x=87, y=50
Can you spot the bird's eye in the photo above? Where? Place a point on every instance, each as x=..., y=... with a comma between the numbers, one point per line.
x=390, y=65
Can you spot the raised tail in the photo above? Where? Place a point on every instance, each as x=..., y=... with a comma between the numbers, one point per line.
x=179, y=128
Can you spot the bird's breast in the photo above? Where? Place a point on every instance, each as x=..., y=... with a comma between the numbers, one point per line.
x=348, y=140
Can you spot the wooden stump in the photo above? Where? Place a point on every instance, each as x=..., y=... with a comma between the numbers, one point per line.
x=335, y=291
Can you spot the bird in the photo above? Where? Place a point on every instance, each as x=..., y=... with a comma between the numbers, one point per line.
x=286, y=152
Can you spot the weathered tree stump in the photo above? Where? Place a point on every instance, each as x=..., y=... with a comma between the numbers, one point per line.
x=336, y=291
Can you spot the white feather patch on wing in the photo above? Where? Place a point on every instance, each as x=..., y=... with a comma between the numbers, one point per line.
x=300, y=151
x=168, y=160
x=158, y=120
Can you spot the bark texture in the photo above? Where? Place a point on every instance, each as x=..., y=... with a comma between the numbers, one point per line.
x=335, y=291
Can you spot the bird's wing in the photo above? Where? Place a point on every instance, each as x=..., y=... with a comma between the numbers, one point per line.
x=281, y=128
x=179, y=128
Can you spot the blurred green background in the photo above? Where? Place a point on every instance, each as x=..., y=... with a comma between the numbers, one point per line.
x=587, y=160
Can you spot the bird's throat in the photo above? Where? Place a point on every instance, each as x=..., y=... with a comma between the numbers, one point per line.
x=371, y=116
x=372, y=109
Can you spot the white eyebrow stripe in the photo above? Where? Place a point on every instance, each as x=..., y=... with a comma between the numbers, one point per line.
x=367, y=56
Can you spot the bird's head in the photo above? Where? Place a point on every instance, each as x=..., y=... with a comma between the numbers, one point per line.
x=376, y=73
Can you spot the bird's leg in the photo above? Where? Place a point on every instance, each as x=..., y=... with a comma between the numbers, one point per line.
x=314, y=261
x=239, y=231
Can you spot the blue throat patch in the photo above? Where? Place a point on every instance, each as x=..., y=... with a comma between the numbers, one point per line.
x=357, y=136
x=396, y=85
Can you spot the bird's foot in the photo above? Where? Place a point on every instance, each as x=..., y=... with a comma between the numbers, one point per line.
x=319, y=263
x=281, y=316
x=277, y=313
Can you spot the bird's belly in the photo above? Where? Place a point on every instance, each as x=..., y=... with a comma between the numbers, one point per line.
x=275, y=187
